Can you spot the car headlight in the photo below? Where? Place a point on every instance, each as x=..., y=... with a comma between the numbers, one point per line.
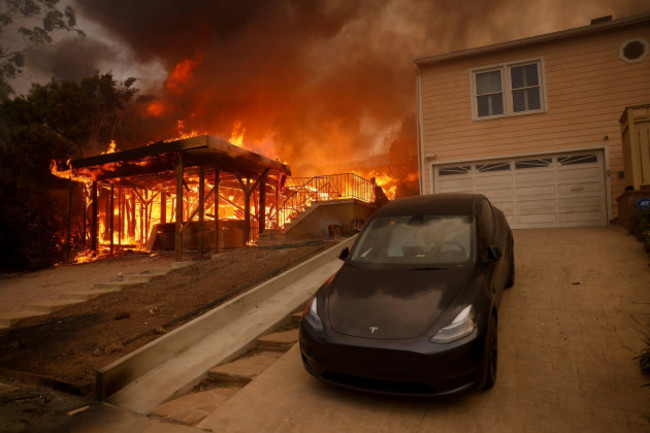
x=463, y=325
x=311, y=316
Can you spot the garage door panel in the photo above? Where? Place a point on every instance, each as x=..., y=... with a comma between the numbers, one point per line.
x=487, y=181
x=535, y=192
x=591, y=204
x=578, y=175
x=579, y=189
x=504, y=194
x=525, y=205
x=581, y=218
x=562, y=190
x=537, y=220
x=457, y=184
x=537, y=178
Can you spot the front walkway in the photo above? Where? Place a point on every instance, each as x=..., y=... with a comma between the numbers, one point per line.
x=568, y=332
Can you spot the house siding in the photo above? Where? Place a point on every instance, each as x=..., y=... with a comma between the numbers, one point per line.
x=587, y=87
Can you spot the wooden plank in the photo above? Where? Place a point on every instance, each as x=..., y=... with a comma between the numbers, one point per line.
x=178, y=235
x=201, y=208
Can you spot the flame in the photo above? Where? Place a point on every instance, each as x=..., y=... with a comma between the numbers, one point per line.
x=237, y=135
x=181, y=75
x=155, y=108
x=112, y=148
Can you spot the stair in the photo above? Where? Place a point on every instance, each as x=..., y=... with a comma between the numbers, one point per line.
x=225, y=380
x=193, y=408
x=50, y=305
x=278, y=341
x=46, y=306
x=243, y=370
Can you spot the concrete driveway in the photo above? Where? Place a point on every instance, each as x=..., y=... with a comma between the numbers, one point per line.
x=568, y=332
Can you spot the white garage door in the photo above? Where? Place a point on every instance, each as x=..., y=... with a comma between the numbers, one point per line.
x=564, y=190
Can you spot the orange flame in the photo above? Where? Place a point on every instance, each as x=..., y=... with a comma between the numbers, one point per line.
x=181, y=75
x=112, y=148
x=237, y=135
x=155, y=108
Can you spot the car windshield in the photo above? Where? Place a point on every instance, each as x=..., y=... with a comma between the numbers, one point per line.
x=422, y=241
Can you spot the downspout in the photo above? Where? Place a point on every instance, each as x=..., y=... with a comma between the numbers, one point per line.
x=420, y=132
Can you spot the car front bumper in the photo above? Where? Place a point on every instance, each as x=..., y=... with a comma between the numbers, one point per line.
x=402, y=367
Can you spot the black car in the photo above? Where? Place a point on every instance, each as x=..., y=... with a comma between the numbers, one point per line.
x=414, y=308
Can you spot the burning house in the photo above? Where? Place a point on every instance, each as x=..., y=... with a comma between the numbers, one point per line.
x=200, y=193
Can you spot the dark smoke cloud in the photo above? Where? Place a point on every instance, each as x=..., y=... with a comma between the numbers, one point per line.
x=323, y=80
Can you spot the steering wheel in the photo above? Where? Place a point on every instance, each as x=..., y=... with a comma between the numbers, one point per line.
x=452, y=250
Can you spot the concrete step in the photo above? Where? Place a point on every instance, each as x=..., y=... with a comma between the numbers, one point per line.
x=278, y=341
x=158, y=271
x=85, y=295
x=116, y=285
x=243, y=370
x=193, y=408
x=50, y=305
x=137, y=278
x=178, y=265
x=9, y=318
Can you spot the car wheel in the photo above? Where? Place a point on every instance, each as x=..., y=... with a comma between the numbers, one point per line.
x=511, y=274
x=490, y=356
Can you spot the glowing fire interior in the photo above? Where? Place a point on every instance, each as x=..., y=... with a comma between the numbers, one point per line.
x=137, y=212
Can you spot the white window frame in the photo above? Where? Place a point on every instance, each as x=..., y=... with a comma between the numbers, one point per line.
x=506, y=85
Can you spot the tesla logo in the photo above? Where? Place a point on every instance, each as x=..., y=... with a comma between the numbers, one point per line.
x=373, y=329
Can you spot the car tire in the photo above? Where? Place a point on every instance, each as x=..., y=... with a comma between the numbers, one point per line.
x=490, y=356
x=511, y=274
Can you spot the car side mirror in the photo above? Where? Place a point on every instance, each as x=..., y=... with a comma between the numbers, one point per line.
x=494, y=254
x=344, y=253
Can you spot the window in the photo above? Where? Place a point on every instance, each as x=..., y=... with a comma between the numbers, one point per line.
x=508, y=89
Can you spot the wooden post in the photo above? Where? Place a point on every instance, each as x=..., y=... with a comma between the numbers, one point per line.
x=277, y=203
x=85, y=216
x=178, y=237
x=163, y=207
x=201, y=208
x=261, y=219
x=120, y=217
x=111, y=219
x=68, y=225
x=247, y=211
x=93, y=219
x=216, y=210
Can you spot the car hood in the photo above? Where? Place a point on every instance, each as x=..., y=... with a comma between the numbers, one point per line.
x=391, y=304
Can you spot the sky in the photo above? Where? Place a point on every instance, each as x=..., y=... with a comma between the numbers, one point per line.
x=313, y=83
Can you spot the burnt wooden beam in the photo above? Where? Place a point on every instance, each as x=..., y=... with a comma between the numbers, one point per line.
x=201, y=208
x=178, y=235
x=217, y=181
x=93, y=218
x=68, y=225
x=111, y=218
x=262, y=209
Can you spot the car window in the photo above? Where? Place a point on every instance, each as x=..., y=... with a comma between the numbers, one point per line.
x=425, y=239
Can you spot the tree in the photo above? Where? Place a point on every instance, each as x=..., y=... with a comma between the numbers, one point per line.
x=55, y=121
x=25, y=24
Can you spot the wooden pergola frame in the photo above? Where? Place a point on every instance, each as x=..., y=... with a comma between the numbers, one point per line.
x=171, y=159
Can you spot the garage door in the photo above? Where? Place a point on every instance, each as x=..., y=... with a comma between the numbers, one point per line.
x=564, y=190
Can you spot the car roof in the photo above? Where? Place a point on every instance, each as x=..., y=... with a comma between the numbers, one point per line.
x=444, y=203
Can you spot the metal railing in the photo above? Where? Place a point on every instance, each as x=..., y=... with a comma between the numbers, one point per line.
x=301, y=192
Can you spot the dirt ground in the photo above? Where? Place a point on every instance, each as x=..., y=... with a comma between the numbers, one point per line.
x=71, y=344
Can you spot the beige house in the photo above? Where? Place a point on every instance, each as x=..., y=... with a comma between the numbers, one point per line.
x=534, y=123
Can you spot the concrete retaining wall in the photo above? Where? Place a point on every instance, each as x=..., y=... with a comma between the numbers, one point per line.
x=125, y=370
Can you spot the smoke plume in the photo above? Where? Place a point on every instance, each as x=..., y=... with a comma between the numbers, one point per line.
x=313, y=83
